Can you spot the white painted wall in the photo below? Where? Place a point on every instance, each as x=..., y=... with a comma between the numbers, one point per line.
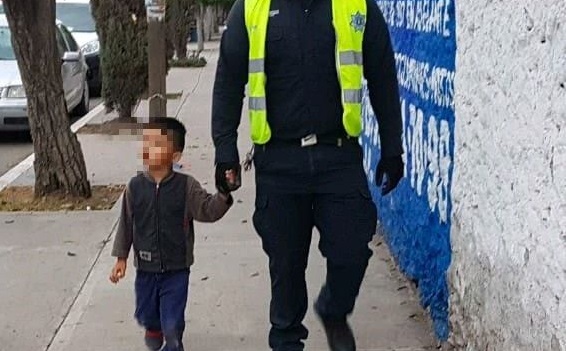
x=508, y=276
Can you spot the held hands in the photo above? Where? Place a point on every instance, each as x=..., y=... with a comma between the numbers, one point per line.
x=392, y=168
x=228, y=177
x=119, y=270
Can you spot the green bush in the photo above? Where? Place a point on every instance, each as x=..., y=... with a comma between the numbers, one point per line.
x=122, y=31
x=192, y=61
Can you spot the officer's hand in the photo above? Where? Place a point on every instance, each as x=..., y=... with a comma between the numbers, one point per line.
x=228, y=177
x=392, y=168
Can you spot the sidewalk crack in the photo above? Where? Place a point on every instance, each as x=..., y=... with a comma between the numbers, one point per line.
x=81, y=288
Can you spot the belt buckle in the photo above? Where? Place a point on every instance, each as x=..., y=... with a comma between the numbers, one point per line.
x=309, y=140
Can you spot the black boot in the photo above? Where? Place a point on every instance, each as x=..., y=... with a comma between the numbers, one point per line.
x=338, y=333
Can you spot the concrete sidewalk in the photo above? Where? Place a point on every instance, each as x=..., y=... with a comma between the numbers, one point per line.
x=229, y=289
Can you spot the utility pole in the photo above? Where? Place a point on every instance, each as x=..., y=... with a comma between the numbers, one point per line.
x=157, y=58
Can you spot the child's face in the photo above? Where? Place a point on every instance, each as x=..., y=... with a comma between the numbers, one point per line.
x=158, y=149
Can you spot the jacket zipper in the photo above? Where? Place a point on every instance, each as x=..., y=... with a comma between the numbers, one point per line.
x=157, y=223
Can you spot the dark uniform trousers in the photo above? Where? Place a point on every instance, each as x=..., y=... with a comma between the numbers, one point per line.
x=298, y=189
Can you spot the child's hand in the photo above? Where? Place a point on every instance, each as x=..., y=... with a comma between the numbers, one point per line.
x=119, y=270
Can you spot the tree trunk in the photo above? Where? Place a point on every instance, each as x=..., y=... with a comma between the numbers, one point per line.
x=181, y=47
x=200, y=28
x=209, y=23
x=216, y=18
x=126, y=112
x=59, y=163
x=181, y=30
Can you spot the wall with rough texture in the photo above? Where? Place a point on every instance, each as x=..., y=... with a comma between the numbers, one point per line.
x=508, y=275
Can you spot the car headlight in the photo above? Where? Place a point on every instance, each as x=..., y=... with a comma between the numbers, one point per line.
x=16, y=92
x=91, y=47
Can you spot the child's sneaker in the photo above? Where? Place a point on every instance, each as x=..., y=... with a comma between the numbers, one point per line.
x=153, y=340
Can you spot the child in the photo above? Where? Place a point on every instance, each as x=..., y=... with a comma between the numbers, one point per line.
x=158, y=210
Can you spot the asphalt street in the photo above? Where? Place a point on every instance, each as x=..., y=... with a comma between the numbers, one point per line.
x=14, y=147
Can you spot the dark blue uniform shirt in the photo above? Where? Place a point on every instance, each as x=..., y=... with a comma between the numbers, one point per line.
x=303, y=92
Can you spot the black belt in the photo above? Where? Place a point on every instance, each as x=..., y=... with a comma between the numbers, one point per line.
x=313, y=139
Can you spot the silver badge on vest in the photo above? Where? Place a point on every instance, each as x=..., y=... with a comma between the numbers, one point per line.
x=358, y=22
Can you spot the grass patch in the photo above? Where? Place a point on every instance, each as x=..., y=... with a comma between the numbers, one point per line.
x=191, y=61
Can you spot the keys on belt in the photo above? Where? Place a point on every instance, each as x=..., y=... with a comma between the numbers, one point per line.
x=247, y=164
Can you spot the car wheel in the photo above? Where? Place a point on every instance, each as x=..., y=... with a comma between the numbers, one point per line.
x=83, y=107
x=96, y=88
x=96, y=92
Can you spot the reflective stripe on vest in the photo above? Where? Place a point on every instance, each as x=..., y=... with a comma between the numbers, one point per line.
x=348, y=19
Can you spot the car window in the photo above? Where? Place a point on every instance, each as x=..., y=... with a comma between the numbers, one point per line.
x=75, y=16
x=71, y=43
x=6, y=49
x=61, y=45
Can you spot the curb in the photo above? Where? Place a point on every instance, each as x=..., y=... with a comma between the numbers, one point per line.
x=87, y=118
x=22, y=167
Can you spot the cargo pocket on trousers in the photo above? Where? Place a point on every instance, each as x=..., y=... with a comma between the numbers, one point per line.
x=363, y=212
x=369, y=214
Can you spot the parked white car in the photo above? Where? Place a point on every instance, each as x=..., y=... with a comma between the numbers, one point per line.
x=13, y=103
x=77, y=16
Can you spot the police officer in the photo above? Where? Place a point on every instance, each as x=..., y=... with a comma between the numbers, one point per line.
x=304, y=63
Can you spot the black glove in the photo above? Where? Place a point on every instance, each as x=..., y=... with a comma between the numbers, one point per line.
x=222, y=183
x=392, y=168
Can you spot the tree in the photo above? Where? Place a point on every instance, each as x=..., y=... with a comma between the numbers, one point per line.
x=59, y=163
x=210, y=22
x=179, y=14
x=178, y=19
x=207, y=18
x=122, y=31
x=201, y=8
x=223, y=6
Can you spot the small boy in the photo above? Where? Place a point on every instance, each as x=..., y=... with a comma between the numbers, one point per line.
x=158, y=210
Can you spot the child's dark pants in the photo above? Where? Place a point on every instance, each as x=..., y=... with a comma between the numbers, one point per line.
x=161, y=299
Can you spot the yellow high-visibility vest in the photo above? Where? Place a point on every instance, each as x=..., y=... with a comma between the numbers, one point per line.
x=348, y=18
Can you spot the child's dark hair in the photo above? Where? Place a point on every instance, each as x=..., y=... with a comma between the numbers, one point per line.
x=172, y=127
